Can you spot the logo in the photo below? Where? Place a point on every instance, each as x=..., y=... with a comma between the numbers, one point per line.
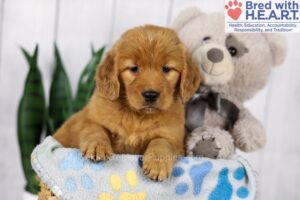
x=257, y=16
x=234, y=9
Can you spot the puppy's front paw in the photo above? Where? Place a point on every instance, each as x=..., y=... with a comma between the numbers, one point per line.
x=157, y=168
x=96, y=151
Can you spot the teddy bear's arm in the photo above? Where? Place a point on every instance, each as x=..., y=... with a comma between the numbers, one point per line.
x=248, y=132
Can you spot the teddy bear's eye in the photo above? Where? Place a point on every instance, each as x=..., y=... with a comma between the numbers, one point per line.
x=232, y=51
x=206, y=38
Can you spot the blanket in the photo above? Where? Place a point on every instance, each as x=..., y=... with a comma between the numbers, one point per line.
x=71, y=176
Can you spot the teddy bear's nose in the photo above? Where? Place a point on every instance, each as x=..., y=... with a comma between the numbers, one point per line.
x=215, y=55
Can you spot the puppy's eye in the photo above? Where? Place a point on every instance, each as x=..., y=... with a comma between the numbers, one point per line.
x=232, y=50
x=165, y=69
x=134, y=69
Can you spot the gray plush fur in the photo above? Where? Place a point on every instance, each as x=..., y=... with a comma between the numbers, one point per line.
x=257, y=54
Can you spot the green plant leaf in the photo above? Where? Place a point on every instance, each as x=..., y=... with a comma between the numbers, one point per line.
x=93, y=50
x=31, y=118
x=86, y=82
x=60, y=104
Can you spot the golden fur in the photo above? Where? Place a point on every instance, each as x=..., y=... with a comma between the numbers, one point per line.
x=118, y=120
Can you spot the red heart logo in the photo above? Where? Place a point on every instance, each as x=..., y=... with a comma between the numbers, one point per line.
x=234, y=13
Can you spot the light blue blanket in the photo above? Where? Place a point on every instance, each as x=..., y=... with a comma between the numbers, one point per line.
x=70, y=176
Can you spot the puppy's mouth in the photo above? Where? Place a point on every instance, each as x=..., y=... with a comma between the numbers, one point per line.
x=150, y=108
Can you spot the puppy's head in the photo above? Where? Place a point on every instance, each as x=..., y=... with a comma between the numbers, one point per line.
x=147, y=69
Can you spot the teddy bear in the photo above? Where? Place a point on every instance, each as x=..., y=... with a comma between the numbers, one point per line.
x=234, y=67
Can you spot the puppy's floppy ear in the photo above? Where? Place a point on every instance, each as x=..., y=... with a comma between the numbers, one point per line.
x=107, y=81
x=190, y=79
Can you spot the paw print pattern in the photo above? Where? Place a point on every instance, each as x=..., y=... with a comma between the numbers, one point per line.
x=234, y=9
x=193, y=172
x=115, y=183
x=239, y=175
x=224, y=189
x=74, y=161
x=197, y=174
x=86, y=183
x=70, y=184
x=242, y=192
x=96, y=166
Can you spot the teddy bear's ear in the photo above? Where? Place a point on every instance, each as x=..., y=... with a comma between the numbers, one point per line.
x=184, y=17
x=278, y=46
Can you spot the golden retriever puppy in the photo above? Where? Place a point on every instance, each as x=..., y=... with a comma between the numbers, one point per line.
x=138, y=104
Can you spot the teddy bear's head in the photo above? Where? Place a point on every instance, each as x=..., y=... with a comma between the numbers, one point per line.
x=234, y=64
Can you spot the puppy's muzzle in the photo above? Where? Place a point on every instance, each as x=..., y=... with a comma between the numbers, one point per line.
x=150, y=96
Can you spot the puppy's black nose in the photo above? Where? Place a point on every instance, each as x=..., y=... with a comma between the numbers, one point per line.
x=150, y=95
x=215, y=55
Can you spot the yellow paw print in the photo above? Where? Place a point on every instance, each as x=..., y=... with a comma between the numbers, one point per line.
x=116, y=185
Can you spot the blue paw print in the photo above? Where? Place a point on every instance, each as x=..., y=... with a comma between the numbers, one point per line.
x=224, y=189
x=70, y=184
x=197, y=173
x=96, y=166
x=86, y=182
x=181, y=188
x=73, y=161
x=240, y=174
x=242, y=192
